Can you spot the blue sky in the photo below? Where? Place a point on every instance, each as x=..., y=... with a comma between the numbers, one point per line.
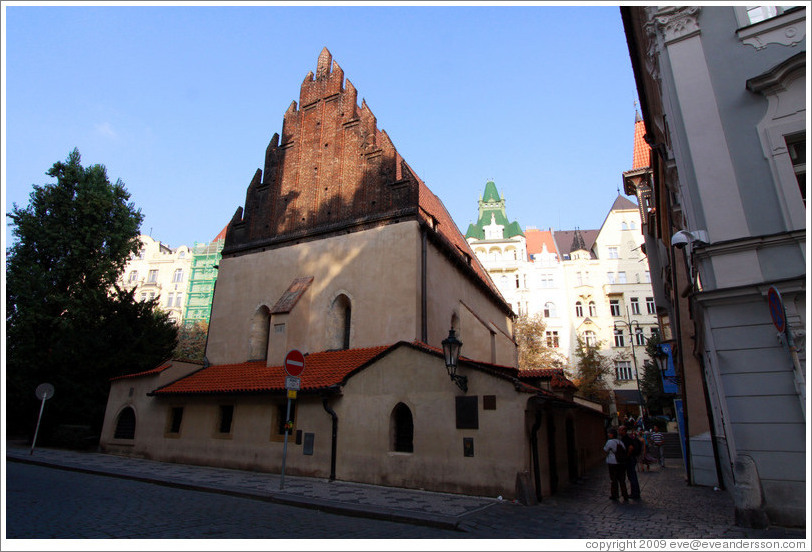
x=179, y=102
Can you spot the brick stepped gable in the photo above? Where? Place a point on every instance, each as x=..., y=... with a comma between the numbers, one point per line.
x=332, y=171
x=335, y=172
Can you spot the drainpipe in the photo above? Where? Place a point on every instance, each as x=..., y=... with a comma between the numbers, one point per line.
x=678, y=327
x=534, y=452
x=334, y=439
x=709, y=408
x=424, y=329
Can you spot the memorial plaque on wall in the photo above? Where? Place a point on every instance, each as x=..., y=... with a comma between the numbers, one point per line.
x=309, y=438
x=467, y=412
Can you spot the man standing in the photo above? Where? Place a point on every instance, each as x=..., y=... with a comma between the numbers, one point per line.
x=629, y=440
x=615, y=461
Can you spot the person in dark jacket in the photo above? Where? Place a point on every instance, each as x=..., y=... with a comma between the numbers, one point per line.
x=633, y=448
x=617, y=471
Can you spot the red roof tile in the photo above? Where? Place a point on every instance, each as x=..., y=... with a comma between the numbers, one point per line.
x=536, y=239
x=556, y=375
x=642, y=151
x=321, y=370
x=221, y=235
x=151, y=372
x=432, y=208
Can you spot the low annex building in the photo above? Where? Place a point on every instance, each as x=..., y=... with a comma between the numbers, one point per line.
x=344, y=254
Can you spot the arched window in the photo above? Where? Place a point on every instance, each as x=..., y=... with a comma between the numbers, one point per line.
x=340, y=323
x=401, y=429
x=495, y=254
x=125, y=425
x=593, y=309
x=579, y=309
x=260, y=329
x=549, y=310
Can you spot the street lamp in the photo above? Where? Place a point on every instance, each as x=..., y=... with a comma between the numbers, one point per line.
x=451, y=351
x=661, y=356
x=632, y=324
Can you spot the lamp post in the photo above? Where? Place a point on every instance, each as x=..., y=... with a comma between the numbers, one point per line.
x=661, y=356
x=632, y=324
x=451, y=351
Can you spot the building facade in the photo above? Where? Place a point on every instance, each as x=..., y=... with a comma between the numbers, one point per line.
x=609, y=298
x=722, y=91
x=592, y=284
x=159, y=272
x=342, y=253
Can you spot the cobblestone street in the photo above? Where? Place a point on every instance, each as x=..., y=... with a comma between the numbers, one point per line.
x=45, y=502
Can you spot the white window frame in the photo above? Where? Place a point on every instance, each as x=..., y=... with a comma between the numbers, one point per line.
x=651, y=306
x=549, y=310
x=620, y=339
x=614, y=307
x=784, y=88
x=623, y=370
x=552, y=339
x=634, y=303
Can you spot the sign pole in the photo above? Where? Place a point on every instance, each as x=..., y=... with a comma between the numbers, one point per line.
x=285, y=447
x=44, y=392
x=294, y=366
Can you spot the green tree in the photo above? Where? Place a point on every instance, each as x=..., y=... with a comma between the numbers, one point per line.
x=191, y=342
x=593, y=371
x=534, y=352
x=68, y=323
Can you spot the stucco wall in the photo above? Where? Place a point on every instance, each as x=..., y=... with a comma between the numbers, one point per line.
x=377, y=269
x=420, y=381
x=479, y=318
x=365, y=436
x=762, y=409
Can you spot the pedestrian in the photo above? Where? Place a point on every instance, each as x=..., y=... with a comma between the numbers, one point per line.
x=657, y=440
x=646, y=459
x=629, y=440
x=615, y=460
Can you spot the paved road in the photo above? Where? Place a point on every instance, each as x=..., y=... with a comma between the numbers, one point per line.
x=46, y=502
x=49, y=503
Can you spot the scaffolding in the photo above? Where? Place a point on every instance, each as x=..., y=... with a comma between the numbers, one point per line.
x=203, y=274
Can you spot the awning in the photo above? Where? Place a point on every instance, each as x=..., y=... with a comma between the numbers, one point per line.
x=628, y=396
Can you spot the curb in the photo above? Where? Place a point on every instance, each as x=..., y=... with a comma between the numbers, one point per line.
x=327, y=506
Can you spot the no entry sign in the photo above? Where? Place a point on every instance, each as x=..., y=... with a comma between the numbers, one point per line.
x=777, y=309
x=294, y=363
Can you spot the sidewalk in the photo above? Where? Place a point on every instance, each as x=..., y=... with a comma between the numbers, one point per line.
x=669, y=509
x=357, y=499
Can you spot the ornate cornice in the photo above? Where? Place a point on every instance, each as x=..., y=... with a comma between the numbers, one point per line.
x=676, y=23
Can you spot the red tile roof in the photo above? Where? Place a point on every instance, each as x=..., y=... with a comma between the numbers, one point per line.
x=556, y=375
x=642, y=151
x=322, y=370
x=538, y=238
x=432, y=209
x=221, y=235
x=151, y=372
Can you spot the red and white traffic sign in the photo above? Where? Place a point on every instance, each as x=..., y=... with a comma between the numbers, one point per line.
x=777, y=309
x=294, y=363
